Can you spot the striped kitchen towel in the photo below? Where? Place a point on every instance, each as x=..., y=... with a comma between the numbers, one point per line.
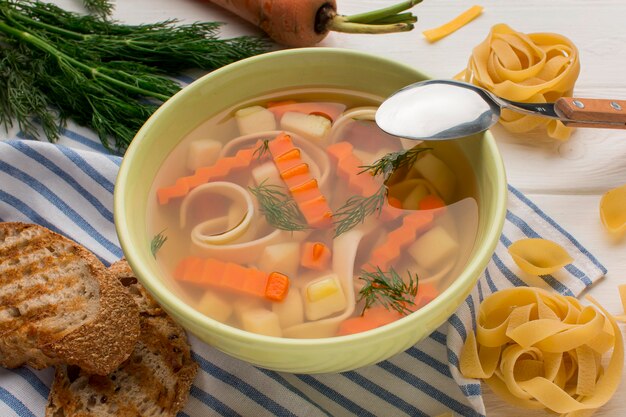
x=68, y=188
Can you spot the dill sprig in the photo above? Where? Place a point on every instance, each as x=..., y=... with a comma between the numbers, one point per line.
x=389, y=290
x=357, y=208
x=157, y=242
x=262, y=150
x=105, y=75
x=393, y=161
x=100, y=8
x=280, y=210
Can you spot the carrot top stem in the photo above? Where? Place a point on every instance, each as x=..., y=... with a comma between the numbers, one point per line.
x=385, y=20
x=375, y=15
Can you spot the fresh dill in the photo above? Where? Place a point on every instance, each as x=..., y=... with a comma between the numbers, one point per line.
x=357, y=209
x=389, y=290
x=56, y=65
x=100, y=8
x=393, y=161
x=263, y=149
x=279, y=209
x=157, y=242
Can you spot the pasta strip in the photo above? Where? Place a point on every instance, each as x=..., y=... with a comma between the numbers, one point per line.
x=433, y=35
x=531, y=68
x=553, y=359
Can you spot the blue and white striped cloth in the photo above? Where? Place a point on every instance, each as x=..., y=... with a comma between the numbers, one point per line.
x=68, y=188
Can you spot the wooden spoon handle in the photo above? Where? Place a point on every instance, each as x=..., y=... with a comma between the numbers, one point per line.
x=593, y=112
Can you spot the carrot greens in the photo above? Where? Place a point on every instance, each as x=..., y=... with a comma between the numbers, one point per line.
x=111, y=77
x=389, y=290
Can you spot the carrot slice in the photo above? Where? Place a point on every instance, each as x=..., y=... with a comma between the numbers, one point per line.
x=399, y=239
x=431, y=202
x=230, y=276
x=315, y=255
x=301, y=184
x=350, y=168
x=220, y=170
x=372, y=318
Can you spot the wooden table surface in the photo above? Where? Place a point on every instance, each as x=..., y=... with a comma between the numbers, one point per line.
x=565, y=179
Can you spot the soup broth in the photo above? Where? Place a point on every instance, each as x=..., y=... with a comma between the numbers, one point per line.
x=295, y=216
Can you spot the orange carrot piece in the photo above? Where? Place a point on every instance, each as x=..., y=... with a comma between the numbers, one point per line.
x=277, y=286
x=315, y=255
x=232, y=277
x=430, y=202
x=350, y=168
x=399, y=239
x=221, y=169
x=331, y=111
x=372, y=318
x=301, y=184
x=425, y=294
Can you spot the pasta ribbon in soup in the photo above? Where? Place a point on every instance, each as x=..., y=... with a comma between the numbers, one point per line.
x=540, y=350
x=539, y=256
x=613, y=209
x=530, y=68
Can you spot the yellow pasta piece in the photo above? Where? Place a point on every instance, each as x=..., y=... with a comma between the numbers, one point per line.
x=539, y=256
x=433, y=35
x=622, y=295
x=531, y=68
x=552, y=360
x=613, y=209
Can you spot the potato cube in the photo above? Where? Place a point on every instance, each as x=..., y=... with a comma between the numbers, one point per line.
x=323, y=297
x=261, y=321
x=267, y=174
x=282, y=257
x=212, y=305
x=254, y=119
x=289, y=311
x=203, y=153
x=434, y=248
x=310, y=126
x=438, y=174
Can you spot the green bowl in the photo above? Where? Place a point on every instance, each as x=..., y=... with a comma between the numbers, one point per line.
x=244, y=80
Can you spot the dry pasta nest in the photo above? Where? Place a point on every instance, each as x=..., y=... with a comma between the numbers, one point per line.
x=540, y=350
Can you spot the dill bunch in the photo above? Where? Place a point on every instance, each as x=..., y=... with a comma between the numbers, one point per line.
x=105, y=75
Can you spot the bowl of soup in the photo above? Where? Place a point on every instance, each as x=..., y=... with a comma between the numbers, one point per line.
x=265, y=211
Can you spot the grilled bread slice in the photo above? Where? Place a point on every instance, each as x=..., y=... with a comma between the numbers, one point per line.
x=154, y=382
x=59, y=304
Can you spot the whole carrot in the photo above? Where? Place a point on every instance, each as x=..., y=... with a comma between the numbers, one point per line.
x=307, y=22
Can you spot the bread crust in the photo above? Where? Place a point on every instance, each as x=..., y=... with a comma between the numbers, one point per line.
x=60, y=304
x=153, y=382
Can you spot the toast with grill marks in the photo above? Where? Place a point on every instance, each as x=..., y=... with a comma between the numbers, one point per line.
x=153, y=382
x=59, y=304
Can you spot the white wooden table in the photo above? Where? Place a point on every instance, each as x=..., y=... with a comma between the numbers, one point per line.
x=565, y=179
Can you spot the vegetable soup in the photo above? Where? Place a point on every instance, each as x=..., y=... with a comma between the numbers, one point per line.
x=294, y=215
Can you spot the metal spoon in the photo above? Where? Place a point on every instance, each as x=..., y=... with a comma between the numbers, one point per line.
x=448, y=109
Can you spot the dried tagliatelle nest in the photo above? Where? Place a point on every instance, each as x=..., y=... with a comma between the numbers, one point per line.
x=531, y=68
x=540, y=350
